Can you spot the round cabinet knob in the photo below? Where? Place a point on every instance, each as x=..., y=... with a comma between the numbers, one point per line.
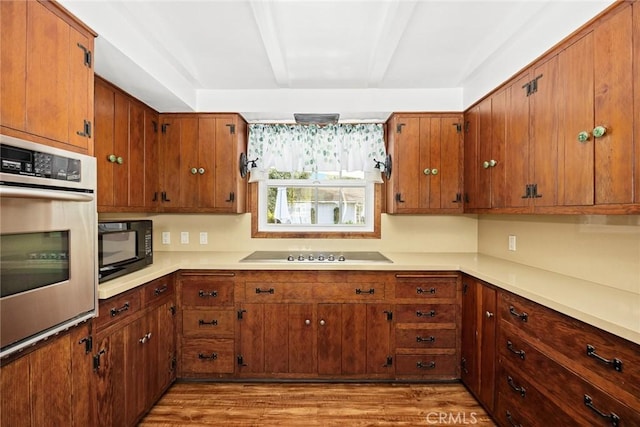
x=599, y=131
x=307, y=322
x=111, y=158
x=583, y=136
x=194, y=171
x=485, y=165
x=493, y=163
x=434, y=171
x=489, y=314
x=201, y=171
x=119, y=160
x=427, y=171
x=322, y=323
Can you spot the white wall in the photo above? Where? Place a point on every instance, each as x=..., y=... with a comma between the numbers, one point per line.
x=600, y=248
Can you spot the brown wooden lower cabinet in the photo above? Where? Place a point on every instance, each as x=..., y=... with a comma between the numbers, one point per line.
x=41, y=387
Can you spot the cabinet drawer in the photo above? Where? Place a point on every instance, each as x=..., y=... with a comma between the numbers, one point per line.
x=440, y=366
x=426, y=313
x=209, y=323
x=521, y=403
x=208, y=356
x=158, y=290
x=566, y=388
x=419, y=286
x=324, y=292
x=207, y=293
x=115, y=309
x=582, y=344
x=426, y=338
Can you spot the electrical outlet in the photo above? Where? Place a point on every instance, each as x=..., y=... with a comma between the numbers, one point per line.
x=184, y=237
x=204, y=238
x=512, y=242
x=166, y=238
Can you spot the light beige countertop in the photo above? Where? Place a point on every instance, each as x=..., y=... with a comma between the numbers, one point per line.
x=613, y=310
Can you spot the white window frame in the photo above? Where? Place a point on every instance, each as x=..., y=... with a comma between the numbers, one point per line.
x=367, y=227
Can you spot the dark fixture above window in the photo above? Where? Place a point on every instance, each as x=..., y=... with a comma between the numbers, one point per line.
x=317, y=119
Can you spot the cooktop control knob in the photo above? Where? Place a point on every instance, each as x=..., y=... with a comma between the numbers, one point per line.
x=320, y=257
x=290, y=258
x=331, y=258
x=300, y=257
x=342, y=258
x=310, y=257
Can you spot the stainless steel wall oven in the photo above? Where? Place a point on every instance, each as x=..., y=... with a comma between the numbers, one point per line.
x=48, y=242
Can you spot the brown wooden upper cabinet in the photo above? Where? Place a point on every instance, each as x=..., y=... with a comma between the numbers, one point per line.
x=559, y=137
x=126, y=145
x=199, y=158
x=47, y=75
x=426, y=150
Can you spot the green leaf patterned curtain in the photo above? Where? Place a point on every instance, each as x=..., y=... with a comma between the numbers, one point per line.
x=313, y=148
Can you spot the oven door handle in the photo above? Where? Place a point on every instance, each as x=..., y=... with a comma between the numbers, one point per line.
x=31, y=193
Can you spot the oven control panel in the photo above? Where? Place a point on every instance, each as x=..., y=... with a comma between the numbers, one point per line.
x=22, y=161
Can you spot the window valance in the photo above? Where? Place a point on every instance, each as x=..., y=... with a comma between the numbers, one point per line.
x=316, y=149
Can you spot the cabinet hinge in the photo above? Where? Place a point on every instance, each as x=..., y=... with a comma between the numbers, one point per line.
x=534, y=84
x=86, y=54
x=527, y=87
x=232, y=128
x=155, y=126
x=527, y=192
x=466, y=126
x=173, y=310
x=399, y=127
x=174, y=363
x=458, y=127
x=465, y=288
x=88, y=344
x=163, y=127
x=389, y=314
x=86, y=129
x=389, y=362
x=240, y=314
x=240, y=361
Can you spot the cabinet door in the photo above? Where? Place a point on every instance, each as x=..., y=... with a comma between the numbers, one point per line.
x=487, y=346
x=166, y=372
x=484, y=154
x=135, y=161
x=408, y=183
x=104, y=142
x=83, y=405
x=495, y=161
x=613, y=80
x=636, y=91
x=178, y=157
x=120, y=186
x=329, y=339
x=444, y=149
x=109, y=356
x=378, y=350
x=206, y=163
x=151, y=159
x=277, y=351
x=469, y=332
x=251, y=343
x=141, y=359
x=13, y=60
x=226, y=192
x=302, y=345
x=575, y=157
x=15, y=405
x=80, y=100
x=471, y=156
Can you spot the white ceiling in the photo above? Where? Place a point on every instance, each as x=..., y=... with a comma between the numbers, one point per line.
x=361, y=58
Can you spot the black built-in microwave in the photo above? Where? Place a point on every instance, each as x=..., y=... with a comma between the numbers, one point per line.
x=123, y=247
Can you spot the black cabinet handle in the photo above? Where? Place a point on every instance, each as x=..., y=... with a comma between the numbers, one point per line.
x=458, y=198
x=527, y=194
x=201, y=322
x=155, y=197
x=514, y=351
x=371, y=291
x=116, y=311
x=96, y=359
x=615, y=362
x=430, y=365
x=160, y=290
x=232, y=198
x=429, y=339
x=515, y=388
x=212, y=356
x=424, y=291
x=431, y=313
x=399, y=198
x=523, y=316
x=265, y=291
x=613, y=418
x=164, y=197
x=203, y=294
x=508, y=414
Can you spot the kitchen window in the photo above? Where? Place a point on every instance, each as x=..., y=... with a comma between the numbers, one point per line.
x=316, y=181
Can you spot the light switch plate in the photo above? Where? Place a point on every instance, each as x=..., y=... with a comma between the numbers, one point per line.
x=166, y=238
x=184, y=237
x=204, y=238
x=512, y=242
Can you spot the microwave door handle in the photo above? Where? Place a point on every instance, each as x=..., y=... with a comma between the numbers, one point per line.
x=30, y=193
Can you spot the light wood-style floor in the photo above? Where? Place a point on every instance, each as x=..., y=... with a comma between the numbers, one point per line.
x=316, y=404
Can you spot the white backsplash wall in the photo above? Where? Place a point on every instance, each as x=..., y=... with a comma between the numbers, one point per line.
x=600, y=248
x=420, y=233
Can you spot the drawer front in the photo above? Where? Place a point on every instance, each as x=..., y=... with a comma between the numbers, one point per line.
x=208, y=356
x=582, y=344
x=418, y=286
x=208, y=323
x=566, y=388
x=303, y=291
x=519, y=402
x=436, y=366
x=426, y=313
x=349, y=291
x=207, y=293
x=426, y=338
x=158, y=290
x=118, y=308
